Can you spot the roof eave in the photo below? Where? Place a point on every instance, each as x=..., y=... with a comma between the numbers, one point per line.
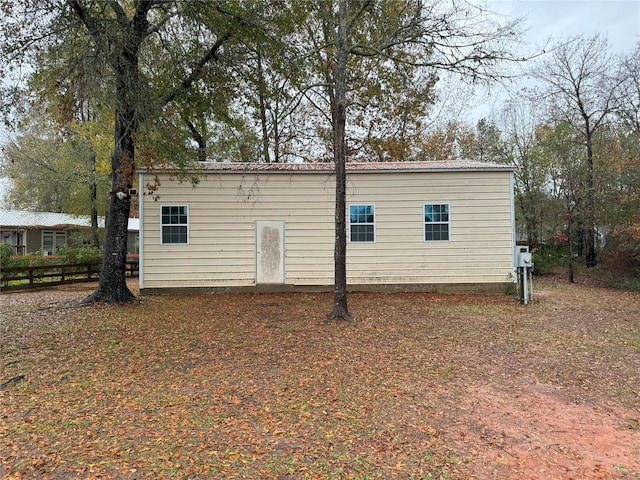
x=214, y=167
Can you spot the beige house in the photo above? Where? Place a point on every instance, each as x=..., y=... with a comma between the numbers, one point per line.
x=433, y=226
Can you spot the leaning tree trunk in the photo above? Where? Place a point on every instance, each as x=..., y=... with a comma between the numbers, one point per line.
x=340, y=310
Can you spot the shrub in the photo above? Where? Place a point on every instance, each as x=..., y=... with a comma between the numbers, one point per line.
x=65, y=256
x=548, y=258
x=80, y=255
x=6, y=254
x=621, y=261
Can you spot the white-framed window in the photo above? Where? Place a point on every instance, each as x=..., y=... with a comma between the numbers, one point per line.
x=174, y=224
x=436, y=222
x=52, y=241
x=362, y=223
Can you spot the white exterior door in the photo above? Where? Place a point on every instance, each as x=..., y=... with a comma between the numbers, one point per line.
x=269, y=252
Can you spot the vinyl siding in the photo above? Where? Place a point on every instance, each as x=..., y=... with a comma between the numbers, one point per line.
x=224, y=207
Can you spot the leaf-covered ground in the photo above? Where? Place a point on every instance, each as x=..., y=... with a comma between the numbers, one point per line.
x=259, y=386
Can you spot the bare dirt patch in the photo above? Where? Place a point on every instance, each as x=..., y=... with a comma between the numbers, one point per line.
x=535, y=432
x=259, y=386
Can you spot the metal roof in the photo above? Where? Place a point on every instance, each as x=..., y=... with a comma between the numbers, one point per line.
x=435, y=166
x=27, y=219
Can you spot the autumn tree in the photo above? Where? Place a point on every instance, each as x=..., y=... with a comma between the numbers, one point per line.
x=451, y=141
x=581, y=89
x=557, y=145
x=362, y=48
x=58, y=160
x=522, y=123
x=120, y=33
x=269, y=82
x=623, y=150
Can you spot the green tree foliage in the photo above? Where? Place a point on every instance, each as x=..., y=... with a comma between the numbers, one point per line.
x=67, y=95
x=625, y=232
x=152, y=51
x=269, y=83
x=619, y=147
x=306, y=79
x=52, y=168
x=489, y=145
x=587, y=139
x=559, y=148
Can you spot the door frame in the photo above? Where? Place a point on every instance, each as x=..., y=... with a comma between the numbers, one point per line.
x=278, y=274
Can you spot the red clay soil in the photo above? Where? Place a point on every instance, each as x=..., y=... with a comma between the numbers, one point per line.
x=539, y=392
x=535, y=432
x=585, y=422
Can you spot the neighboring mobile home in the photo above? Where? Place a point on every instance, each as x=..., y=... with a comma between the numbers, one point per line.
x=46, y=232
x=433, y=226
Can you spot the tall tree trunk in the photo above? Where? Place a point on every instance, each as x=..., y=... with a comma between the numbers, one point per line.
x=119, y=41
x=93, y=194
x=112, y=287
x=340, y=309
x=570, y=242
x=590, y=258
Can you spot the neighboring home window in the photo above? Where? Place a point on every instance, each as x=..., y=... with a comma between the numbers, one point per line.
x=436, y=222
x=52, y=241
x=362, y=223
x=175, y=224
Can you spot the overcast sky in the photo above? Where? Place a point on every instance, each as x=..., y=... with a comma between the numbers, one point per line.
x=548, y=22
x=618, y=20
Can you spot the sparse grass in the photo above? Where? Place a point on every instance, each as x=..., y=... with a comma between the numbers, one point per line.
x=259, y=386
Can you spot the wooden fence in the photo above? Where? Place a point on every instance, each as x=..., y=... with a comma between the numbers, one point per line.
x=16, y=278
